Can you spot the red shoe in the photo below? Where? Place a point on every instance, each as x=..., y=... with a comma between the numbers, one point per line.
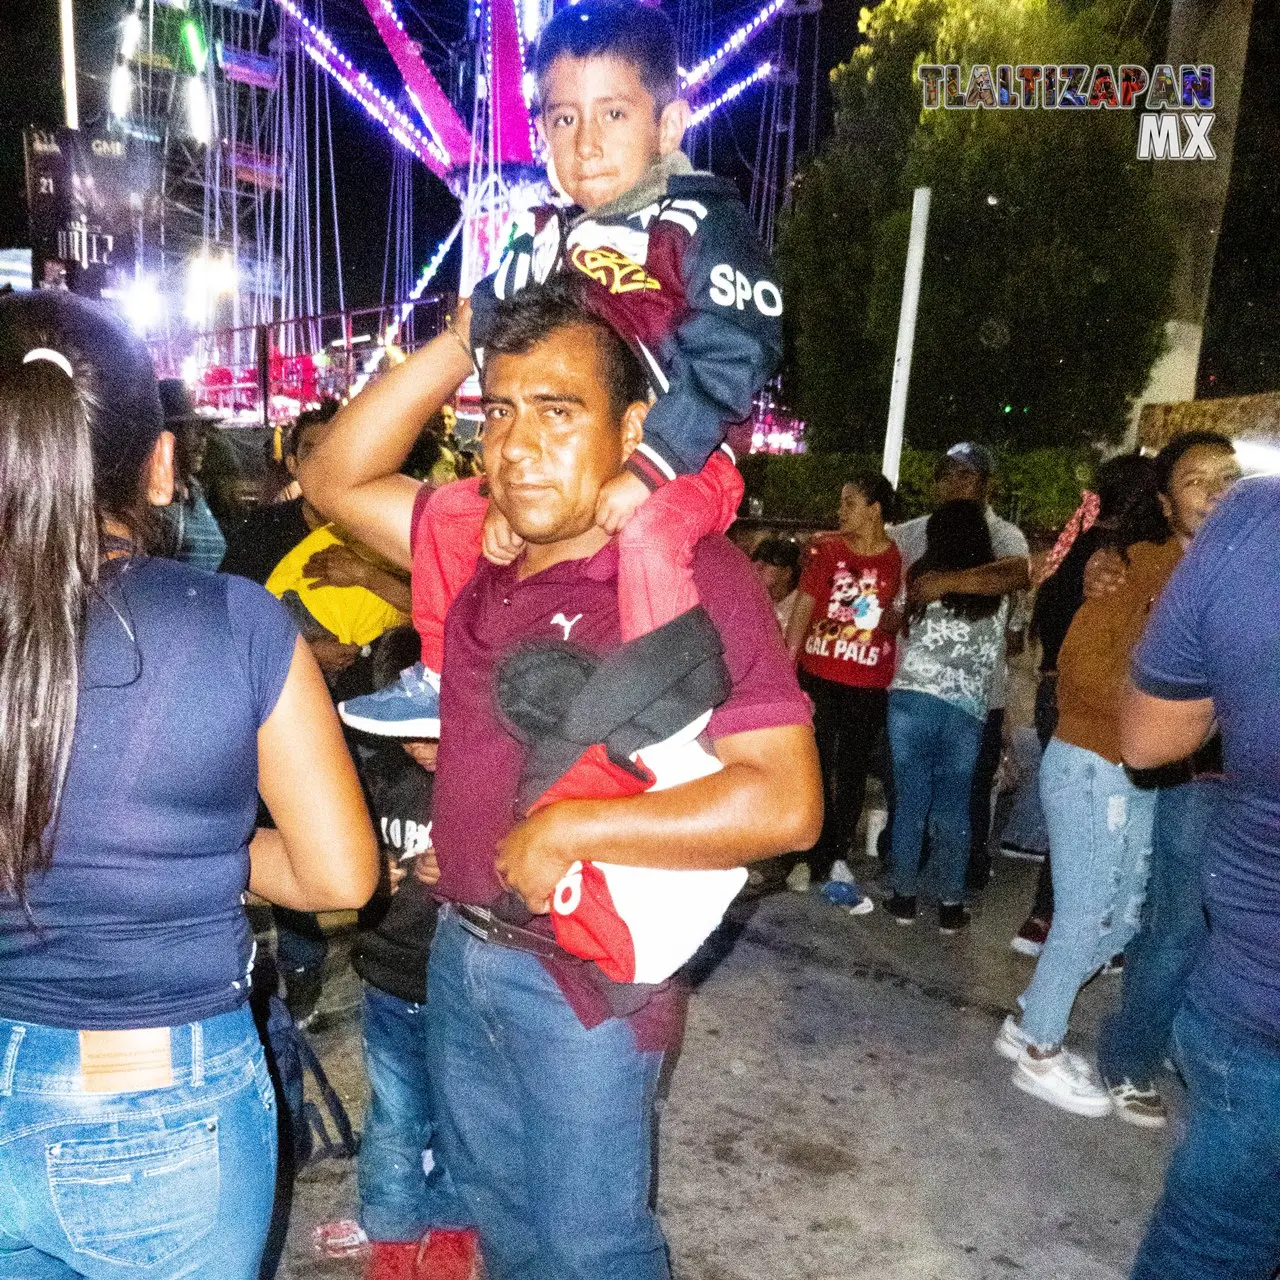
x=392, y=1260
x=448, y=1255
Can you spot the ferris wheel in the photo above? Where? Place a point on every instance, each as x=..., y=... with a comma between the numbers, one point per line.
x=238, y=96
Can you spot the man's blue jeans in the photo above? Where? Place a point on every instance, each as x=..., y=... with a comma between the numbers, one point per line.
x=1100, y=845
x=546, y=1128
x=934, y=747
x=399, y=1198
x=1158, y=961
x=158, y=1183
x=1219, y=1217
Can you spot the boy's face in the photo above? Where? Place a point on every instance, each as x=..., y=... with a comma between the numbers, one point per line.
x=601, y=127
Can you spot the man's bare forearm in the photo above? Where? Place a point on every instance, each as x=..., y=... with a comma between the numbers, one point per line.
x=352, y=475
x=999, y=578
x=749, y=810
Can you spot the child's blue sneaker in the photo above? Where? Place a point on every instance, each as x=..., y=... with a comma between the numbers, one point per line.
x=407, y=708
x=845, y=893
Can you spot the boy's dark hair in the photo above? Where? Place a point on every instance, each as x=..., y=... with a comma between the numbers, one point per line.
x=625, y=29
x=532, y=315
x=1180, y=446
x=875, y=488
x=958, y=538
x=783, y=553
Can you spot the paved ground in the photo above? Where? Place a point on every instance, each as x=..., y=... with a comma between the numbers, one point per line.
x=837, y=1111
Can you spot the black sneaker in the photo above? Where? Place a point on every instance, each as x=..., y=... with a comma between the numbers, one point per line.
x=952, y=917
x=903, y=910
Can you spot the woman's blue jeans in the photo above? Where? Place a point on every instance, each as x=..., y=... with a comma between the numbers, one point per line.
x=155, y=1184
x=1100, y=847
x=1158, y=961
x=1219, y=1217
x=934, y=747
x=546, y=1127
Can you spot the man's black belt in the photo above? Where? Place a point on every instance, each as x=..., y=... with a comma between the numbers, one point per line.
x=482, y=923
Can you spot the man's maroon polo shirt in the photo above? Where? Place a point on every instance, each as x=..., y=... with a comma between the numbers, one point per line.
x=480, y=762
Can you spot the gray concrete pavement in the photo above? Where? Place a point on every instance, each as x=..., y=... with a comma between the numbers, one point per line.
x=837, y=1111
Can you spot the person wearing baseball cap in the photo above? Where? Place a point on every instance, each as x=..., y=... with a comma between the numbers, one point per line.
x=965, y=471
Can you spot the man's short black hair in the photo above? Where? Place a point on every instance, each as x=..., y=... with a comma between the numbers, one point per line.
x=1180, y=446
x=782, y=553
x=625, y=29
x=532, y=315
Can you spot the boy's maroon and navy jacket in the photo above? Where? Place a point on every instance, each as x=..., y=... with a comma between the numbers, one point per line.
x=676, y=268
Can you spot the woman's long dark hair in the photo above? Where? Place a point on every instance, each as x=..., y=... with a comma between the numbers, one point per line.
x=958, y=538
x=1128, y=502
x=52, y=497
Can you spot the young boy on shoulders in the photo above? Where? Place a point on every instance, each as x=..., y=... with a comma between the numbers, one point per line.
x=669, y=258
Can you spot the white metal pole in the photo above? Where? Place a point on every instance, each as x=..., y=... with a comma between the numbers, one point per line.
x=69, y=63
x=906, y=335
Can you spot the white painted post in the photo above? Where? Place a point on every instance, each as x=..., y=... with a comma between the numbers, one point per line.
x=906, y=335
x=69, y=64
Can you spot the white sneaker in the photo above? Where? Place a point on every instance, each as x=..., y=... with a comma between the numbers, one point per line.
x=1064, y=1080
x=798, y=880
x=1012, y=1039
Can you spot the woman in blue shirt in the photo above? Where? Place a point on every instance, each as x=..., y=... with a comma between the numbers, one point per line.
x=143, y=706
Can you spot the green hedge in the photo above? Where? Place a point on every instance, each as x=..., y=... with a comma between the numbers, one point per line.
x=1038, y=489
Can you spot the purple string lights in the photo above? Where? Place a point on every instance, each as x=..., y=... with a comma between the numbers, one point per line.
x=711, y=64
x=322, y=50
x=762, y=72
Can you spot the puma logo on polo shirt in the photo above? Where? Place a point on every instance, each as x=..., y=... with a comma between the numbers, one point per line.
x=567, y=623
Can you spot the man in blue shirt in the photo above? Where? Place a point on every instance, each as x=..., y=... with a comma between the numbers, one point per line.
x=1212, y=652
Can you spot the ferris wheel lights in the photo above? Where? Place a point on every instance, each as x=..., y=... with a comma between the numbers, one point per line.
x=141, y=302
x=199, y=111
x=705, y=69
x=762, y=72
x=209, y=278
x=120, y=90
x=197, y=50
x=130, y=34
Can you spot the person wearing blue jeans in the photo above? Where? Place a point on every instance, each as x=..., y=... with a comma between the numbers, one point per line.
x=168, y=1181
x=545, y=1126
x=1219, y=1217
x=1134, y=1043
x=1100, y=830
x=402, y=1189
x=934, y=747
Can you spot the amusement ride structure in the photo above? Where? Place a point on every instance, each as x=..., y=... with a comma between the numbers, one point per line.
x=237, y=97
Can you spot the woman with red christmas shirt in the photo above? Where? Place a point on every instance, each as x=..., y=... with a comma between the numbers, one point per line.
x=843, y=633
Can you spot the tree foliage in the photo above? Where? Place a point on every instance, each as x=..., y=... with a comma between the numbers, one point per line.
x=1048, y=254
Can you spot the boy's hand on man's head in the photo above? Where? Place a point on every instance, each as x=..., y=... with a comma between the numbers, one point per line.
x=619, y=500
x=499, y=542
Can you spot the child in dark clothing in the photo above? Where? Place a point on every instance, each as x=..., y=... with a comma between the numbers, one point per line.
x=666, y=256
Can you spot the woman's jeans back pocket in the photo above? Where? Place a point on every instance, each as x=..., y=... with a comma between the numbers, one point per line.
x=136, y=1200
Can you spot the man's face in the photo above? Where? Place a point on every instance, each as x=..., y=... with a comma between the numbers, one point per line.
x=551, y=437
x=959, y=484
x=602, y=128
x=1199, y=478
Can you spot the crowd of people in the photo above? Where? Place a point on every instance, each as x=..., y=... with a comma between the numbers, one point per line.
x=536, y=723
